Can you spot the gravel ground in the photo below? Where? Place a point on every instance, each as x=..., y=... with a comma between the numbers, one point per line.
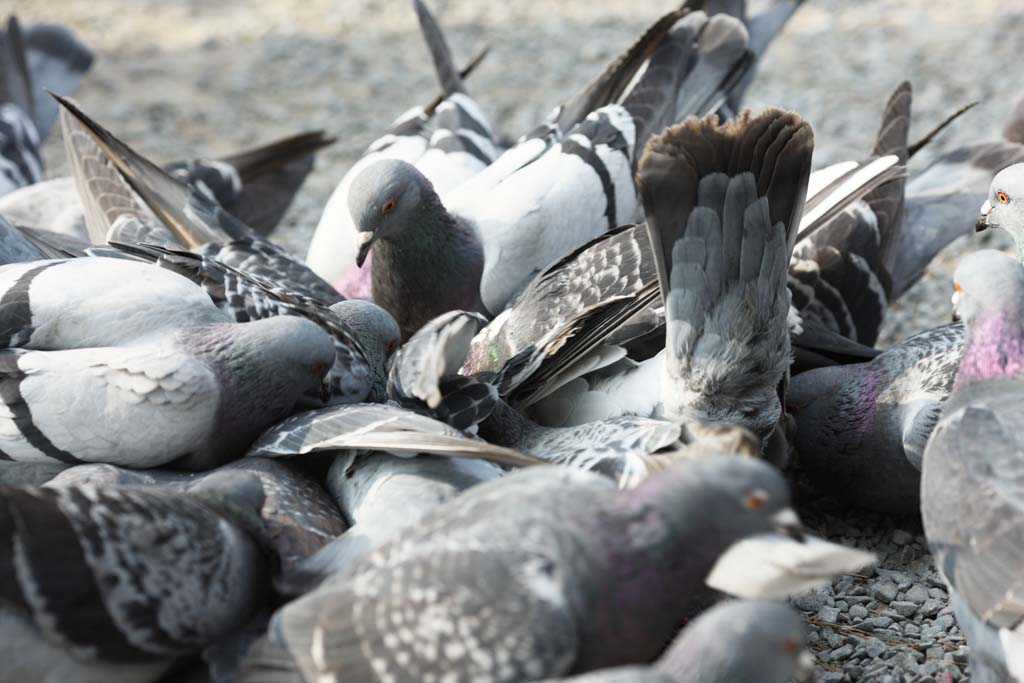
x=192, y=77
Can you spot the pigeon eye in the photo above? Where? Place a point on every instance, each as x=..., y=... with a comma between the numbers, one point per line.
x=391, y=346
x=790, y=644
x=389, y=206
x=756, y=500
x=1002, y=197
x=957, y=288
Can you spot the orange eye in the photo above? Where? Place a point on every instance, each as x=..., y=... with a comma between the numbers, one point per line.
x=389, y=206
x=790, y=644
x=957, y=288
x=1002, y=197
x=756, y=500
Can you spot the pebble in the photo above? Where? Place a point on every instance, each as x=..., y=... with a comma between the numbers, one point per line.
x=903, y=608
x=900, y=537
x=858, y=612
x=828, y=614
x=811, y=601
x=917, y=594
x=884, y=591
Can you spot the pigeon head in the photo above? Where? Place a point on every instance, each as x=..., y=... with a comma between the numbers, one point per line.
x=735, y=497
x=770, y=635
x=984, y=282
x=1004, y=207
x=377, y=332
x=385, y=199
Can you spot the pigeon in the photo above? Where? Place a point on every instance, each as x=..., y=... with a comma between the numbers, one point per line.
x=40, y=56
x=299, y=518
x=256, y=185
x=114, y=583
x=733, y=641
x=862, y=428
x=449, y=141
x=364, y=335
x=382, y=495
x=486, y=243
x=843, y=272
x=970, y=480
x=1001, y=209
x=195, y=220
x=543, y=573
x=167, y=378
x=942, y=201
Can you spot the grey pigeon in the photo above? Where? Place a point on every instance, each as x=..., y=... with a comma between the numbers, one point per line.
x=382, y=495
x=298, y=517
x=364, y=335
x=942, y=201
x=1002, y=207
x=731, y=642
x=32, y=60
x=843, y=271
x=973, y=468
x=449, y=140
x=862, y=428
x=114, y=583
x=196, y=220
x=133, y=365
x=543, y=573
x=491, y=235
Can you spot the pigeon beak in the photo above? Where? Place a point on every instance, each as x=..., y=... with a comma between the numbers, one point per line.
x=364, y=241
x=982, y=223
x=804, y=672
x=787, y=522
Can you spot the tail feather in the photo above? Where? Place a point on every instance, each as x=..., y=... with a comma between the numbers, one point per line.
x=20, y=163
x=16, y=85
x=1014, y=129
x=722, y=202
x=440, y=53
x=689, y=73
x=886, y=201
x=57, y=61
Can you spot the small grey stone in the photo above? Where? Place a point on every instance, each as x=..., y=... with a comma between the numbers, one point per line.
x=858, y=612
x=917, y=594
x=931, y=607
x=842, y=653
x=828, y=614
x=903, y=608
x=874, y=647
x=842, y=605
x=833, y=639
x=911, y=630
x=945, y=621
x=960, y=656
x=935, y=652
x=938, y=594
x=812, y=601
x=832, y=677
x=884, y=591
x=875, y=623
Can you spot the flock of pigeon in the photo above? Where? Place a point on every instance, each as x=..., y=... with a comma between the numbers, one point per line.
x=562, y=429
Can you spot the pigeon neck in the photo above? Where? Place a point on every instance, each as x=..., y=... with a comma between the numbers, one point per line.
x=994, y=349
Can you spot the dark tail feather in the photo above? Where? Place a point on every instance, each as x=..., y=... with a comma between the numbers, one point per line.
x=463, y=74
x=440, y=53
x=1014, y=130
x=57, y=61
x=886, y=201
x=689, y=73
x=16, y=82
x=916, y=147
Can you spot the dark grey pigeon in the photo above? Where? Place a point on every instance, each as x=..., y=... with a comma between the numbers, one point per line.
x=972, y=482
x=115, y=583
x=449, y=140
x=490, y=236
x=862, y=428
x=110, y=360
x=543, y=573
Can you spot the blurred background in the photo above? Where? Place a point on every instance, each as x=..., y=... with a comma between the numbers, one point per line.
x=194, y=78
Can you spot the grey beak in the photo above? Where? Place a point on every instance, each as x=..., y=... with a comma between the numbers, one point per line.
x=787, y=522
x=364, y=240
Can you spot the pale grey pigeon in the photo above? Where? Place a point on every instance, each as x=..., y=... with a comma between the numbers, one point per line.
x=114, y=583
x=1002, y=208
x=494, y=233
x=381, y=495
x=942, y=201
x=730, y=642
x=134, y=365
x=971, y=486
x=449, y=141
x=543, y=573
x=44, y=56
x=862, y=428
